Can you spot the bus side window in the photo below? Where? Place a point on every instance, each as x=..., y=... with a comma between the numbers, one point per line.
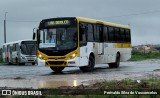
x=16, y=47
x=90, y=33
x=105, y=33
x=122, y=35
x=82, y=35
x=116, y=34
x=8, y=46
x=100, y=32
x=128, y=36
x=111, y=34
x=3, y=48
x=13, y=47
x=95, y=33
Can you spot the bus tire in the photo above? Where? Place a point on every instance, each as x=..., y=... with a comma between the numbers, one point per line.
x=9, y=63
x=117, y=62
x=90, y=66
x=16, y=61
x=21, y=63
x=33, y=63
x=57, y=69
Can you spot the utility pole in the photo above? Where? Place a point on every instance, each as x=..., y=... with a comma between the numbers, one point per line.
x=5, y=27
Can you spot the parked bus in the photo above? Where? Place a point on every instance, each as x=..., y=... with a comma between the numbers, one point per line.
x=82, y=42
x=20, y=52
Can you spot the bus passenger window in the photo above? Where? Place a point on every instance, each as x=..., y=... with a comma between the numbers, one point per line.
x=82, y=36
x=90, y=33
x=80, y=33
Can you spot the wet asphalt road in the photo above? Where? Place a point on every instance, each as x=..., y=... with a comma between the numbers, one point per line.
x=13, y=71
x=29, y=76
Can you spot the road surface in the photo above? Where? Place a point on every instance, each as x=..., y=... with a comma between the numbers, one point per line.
x=29, y=76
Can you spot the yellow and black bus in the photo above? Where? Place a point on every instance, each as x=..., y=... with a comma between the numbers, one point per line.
x=82, y=42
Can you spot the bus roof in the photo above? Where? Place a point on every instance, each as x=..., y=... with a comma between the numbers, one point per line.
x=18, y=41
x=102, y=22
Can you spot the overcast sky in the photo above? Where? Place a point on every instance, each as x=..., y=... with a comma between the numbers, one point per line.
x=24, y=15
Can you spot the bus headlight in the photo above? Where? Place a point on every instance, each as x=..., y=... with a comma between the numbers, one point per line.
x=41, y=57
x=73, y=56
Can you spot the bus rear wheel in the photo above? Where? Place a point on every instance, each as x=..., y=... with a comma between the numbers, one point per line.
x=57, y=69
x=8, y=62
x=90, y=66
x=117, y=62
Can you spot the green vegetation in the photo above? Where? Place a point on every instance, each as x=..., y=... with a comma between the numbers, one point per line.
x=1, y=62
x=127, y=85
x=136, y=56
x=124, y=89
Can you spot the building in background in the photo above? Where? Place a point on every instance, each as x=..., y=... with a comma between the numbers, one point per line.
x=147, y=48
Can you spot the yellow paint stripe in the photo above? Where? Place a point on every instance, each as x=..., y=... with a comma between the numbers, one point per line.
x=122, y=45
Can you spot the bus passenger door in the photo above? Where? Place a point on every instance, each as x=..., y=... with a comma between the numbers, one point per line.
x=100, y=48
x=101, y=39
x=11, y=60
x=83, y=44
x=18, y=52
x=4, y=53
x=8, y=54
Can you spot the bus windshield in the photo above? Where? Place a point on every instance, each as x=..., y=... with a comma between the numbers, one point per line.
x=28, y=48
x=63, y=38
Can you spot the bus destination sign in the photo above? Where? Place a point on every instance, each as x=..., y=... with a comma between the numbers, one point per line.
x=58, y=22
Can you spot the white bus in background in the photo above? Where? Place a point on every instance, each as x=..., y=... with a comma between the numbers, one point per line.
x=20, y=52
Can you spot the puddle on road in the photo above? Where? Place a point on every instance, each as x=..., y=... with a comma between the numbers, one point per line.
x=55, y=84
x=35, y=84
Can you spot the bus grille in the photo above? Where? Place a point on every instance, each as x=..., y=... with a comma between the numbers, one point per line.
x=31, y=60
x=57, y=62
x=57, y=58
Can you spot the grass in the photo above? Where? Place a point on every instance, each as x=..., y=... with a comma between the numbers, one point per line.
x=114, y=85
x=1, y=62
x=97, y=90
x=137, y=56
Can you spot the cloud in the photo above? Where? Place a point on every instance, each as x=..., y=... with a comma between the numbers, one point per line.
x=24, y=15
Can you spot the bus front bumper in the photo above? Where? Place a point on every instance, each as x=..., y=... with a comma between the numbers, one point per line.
x=64, y=63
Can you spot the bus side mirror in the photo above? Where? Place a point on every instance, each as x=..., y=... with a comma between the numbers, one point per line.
x=34, y=36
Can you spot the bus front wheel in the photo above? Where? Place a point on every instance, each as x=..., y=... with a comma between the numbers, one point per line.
x=57, y=69
x=33, y=63
x=90, y=66
x=117, y=62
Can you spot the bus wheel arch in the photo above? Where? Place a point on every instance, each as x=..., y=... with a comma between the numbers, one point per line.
x=18, y=62
x=118, y=58
x=117, y=61
x=91, y=64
